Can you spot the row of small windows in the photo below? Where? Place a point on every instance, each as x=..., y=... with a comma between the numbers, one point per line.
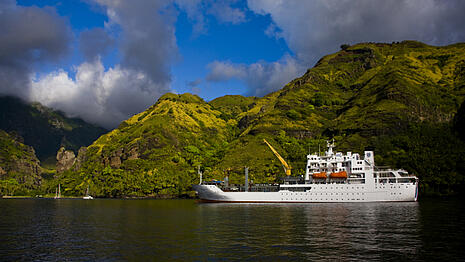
x=347, y=187
x=322, y=199
x=321, y=194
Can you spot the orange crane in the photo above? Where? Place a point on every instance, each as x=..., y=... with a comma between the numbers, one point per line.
x=287, y=168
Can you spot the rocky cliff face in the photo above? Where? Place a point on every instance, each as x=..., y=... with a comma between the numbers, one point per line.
x=44, y=129
x=65, y=160
x=19, y=166
x=399, y=99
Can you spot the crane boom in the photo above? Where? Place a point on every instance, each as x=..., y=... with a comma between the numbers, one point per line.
x=287, y=168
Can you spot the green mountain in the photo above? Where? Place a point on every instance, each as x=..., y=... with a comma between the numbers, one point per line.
x=19, y=167
x=399, y=99
x=154, y=152
x=45, y=129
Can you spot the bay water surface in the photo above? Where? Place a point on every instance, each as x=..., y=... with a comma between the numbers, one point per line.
x=183, y=230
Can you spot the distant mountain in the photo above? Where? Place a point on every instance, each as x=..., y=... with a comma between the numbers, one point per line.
x=45, y=129
x=19, y=167
x=399, y=99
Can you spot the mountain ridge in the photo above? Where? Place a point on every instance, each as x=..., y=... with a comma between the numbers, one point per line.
x=399, y=99
x=45, y=129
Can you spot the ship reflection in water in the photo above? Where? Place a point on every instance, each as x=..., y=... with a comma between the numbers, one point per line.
x=167, y=230
x=368, y=231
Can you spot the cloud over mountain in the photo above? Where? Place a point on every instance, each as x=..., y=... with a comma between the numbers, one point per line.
x=315, y=28
x=312, y=29
x=97, y=95
x=147, y=46
x=260, y=77
x=140, y=38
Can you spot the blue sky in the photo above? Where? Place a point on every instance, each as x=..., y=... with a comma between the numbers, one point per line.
x=243, y=43
x=106, y=60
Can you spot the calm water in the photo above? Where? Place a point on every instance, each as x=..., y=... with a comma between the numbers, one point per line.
x=115, y=230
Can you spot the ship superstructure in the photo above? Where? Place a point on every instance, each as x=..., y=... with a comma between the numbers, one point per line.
x=332, y=177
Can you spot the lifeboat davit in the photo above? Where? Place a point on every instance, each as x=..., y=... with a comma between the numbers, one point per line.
x=319, y=175
x=342, y=174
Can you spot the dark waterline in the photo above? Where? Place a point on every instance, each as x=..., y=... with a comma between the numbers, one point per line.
x=114, y=230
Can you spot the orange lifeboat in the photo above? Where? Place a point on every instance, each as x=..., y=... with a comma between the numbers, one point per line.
x=342, y=174
x=319, y=175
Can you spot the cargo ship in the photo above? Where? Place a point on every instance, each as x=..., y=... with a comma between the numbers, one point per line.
x=330, y=178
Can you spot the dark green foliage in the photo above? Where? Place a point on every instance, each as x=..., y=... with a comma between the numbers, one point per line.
x=292, y=114
x=459, y=122
x=399, y=99
x=231, y=106
x=430, y=151
x=44, y=129
x=155, y=153
x=344, y=46
x=19, y=167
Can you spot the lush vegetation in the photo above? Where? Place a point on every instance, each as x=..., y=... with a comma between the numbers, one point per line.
x=400, y=100
x=19, y=167
x=45, y=129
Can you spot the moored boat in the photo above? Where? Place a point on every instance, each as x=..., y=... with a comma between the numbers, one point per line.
x=87, y=196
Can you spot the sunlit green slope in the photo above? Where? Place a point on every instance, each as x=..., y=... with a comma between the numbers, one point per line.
x=19, y=167
x=399, y=99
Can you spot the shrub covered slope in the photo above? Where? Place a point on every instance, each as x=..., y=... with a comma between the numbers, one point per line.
x=19, y=167
x=45, y=129
x=399, y=99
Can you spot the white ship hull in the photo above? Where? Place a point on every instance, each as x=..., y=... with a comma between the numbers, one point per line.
x=318, y=193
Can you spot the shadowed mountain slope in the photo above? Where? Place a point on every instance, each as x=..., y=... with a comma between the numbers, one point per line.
x=44, y=129
x=399, y=99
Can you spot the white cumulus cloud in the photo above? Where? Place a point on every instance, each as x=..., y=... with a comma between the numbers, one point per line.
x=99, y=96
x=261, y=77
x=318, y=27
x=315, y=28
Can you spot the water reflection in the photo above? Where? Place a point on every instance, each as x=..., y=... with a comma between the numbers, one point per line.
x=312, y=231
x=183, y=230
x=442, y=230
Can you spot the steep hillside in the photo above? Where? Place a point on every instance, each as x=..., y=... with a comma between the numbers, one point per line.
x=399, y=99
x=232, y=105
x=19, y=167
x=155, y=152
x=396, y=98
x=368, y=88
x=45, y=129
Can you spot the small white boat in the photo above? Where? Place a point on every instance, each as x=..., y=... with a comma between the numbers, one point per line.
x=87, y=196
